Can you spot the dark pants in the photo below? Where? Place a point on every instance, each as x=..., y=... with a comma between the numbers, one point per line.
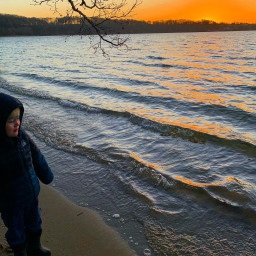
x=26, y=219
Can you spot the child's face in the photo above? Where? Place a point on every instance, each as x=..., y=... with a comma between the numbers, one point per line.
x=13, y=123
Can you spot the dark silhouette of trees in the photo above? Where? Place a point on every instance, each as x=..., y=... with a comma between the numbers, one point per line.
x=11, y=25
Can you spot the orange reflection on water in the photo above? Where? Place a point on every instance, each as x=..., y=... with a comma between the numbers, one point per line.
x=182, y=87
x=243, y=106
x=215, y=99
x=199, y=184
x=194, y=76
x=153, y=166
x=208, y=78
x=183, y=122
x=201, y=97
x=206, y=128
x=193, y=93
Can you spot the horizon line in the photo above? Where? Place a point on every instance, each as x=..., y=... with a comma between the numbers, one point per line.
x=147, y=21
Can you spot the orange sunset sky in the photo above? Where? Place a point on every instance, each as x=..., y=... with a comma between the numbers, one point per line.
x=217, y=10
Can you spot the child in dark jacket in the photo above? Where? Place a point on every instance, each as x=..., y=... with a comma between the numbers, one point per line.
x=21, y=164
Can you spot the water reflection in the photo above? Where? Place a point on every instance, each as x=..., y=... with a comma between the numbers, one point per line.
x=200, y=184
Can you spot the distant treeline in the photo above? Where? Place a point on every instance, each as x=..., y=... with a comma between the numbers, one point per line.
x=12, y=25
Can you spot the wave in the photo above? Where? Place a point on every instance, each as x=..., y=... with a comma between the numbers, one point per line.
x=83, y=86
x=132, y=189
x=156, y=57
x=138, y=82
x=189, y=66
x=241, y=58
x=146, y=123
x=236, y=196
x=230, y=193
x=61, y=140
x=164, y=129
x=158, y=65
x=51, y=80
x=155, y=125
x=232, y=112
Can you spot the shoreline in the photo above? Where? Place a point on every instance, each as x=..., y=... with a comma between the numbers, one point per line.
x=134, y=33
x=69, y=229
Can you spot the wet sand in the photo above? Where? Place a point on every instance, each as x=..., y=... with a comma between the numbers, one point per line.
x=73, y=230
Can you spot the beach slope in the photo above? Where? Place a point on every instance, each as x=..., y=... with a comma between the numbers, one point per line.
x=72, y=230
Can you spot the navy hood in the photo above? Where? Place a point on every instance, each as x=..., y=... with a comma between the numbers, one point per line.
x=7, y=105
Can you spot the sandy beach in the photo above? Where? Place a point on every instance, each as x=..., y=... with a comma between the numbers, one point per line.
x=72, y=230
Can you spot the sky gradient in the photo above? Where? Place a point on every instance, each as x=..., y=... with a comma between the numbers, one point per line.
x=217, y=10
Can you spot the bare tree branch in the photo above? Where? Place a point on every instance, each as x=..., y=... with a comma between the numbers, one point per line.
x=95, y=13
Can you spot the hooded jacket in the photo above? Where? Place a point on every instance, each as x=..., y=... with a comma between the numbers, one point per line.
x=21, y=162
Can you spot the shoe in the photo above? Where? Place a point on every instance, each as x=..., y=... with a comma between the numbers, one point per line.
x=34, y=247
x=19, y=250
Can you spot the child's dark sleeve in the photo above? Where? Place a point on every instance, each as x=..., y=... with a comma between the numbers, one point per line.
x=42, y=169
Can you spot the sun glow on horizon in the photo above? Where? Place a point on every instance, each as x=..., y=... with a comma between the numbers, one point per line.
x=211, y=18
x=228, y=11
x=216, y=10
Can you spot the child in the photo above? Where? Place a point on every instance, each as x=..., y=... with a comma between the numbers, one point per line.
x=21, y=164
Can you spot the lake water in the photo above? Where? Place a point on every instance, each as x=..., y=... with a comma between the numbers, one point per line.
x=163, y=134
